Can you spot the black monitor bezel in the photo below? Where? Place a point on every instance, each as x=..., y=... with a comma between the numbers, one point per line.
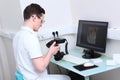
x=81, y=22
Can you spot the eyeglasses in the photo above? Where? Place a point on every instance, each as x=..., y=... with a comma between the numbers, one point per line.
x=42, y=21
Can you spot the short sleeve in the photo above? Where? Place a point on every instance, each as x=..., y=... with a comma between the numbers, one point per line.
x=32, y=45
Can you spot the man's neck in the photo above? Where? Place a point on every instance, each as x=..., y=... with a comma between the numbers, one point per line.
x=28, y=24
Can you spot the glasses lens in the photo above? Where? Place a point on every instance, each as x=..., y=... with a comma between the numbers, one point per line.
x=43, y=21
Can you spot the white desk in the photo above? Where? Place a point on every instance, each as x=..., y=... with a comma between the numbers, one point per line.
x=102, y=67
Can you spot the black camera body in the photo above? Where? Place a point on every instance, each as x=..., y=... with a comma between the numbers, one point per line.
x=59, y=55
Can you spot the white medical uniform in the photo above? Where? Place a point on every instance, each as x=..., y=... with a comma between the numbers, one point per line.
x=27, y=46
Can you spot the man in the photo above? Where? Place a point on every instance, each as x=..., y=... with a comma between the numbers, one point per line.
x=30, y=61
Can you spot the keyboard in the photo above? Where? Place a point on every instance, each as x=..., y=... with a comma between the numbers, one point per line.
x=74, y=59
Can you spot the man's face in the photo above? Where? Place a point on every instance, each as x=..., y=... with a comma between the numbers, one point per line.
x=38, y=22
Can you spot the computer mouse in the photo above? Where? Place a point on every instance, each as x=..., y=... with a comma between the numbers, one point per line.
x=88, y=64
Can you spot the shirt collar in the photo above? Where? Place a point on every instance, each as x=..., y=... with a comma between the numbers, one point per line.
x=29, y=30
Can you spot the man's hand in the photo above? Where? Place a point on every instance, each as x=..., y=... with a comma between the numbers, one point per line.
x=54, y=48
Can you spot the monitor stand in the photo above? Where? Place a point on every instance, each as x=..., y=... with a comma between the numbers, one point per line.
x=90, y=54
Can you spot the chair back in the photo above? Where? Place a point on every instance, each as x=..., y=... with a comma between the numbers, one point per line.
x=18, y=76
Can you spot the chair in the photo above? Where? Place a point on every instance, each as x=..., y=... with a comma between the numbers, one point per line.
x=18, y=76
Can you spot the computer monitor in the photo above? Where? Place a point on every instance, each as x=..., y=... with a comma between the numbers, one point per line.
x=92, y=36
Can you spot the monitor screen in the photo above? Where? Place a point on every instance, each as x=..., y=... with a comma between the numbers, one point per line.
x=92, y=36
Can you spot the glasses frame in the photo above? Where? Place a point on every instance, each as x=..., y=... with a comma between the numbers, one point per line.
x=42, y=21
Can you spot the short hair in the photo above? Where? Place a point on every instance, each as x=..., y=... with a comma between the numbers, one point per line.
x=33, y=9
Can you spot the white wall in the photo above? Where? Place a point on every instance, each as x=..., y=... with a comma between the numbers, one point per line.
x=104, y=10
x=58, y=12
x=10, y=15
